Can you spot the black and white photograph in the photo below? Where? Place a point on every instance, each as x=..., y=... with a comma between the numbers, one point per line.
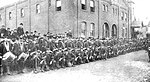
x=74, y=41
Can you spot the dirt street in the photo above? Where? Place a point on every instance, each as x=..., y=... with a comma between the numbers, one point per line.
x=132, y=67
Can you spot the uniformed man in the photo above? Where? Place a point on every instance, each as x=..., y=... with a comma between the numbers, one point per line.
x=1, y=56
x=20, y=30
x=3, y=31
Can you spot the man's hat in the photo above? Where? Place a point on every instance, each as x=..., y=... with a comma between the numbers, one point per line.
x=21, y=23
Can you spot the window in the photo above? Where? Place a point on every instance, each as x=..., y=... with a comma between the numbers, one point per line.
x=92, y=32
x=122, y=15
x=38, y=8
x=116, y=11
x=22, y=12
x=83, y=29
x=49, y=3
x=92, y=6
x=123, y=30
x=104, y=9
x=0, y=17
x=106, y=30
x=126, y=33
x=113, y=10
x=10, y=15
x=83, y=4
x=58, y=5
x=126, y=17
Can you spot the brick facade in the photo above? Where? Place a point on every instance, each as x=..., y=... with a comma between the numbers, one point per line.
x=105, y=21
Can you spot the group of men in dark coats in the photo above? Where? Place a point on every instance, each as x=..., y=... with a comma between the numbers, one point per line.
x=53, y=52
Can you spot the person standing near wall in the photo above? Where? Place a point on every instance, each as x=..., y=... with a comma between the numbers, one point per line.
x=20, y=30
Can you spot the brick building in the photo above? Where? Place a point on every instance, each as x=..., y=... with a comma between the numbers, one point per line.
x=84, y=18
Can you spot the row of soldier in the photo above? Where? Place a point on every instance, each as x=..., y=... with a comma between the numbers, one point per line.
x=56, y=52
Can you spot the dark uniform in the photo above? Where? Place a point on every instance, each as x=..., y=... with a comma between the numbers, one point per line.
x=4, y=32
x=2, y=52
x=20, y=31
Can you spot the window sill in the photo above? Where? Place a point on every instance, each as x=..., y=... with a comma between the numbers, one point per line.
x=84, y=10
x=92, y=12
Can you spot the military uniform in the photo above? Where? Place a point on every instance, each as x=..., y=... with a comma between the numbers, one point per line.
x=2, y=51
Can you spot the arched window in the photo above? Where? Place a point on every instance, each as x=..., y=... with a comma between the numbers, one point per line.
x=22, y=12
x=92, y=6
x=83, y=4
x=38, y=8
x=83, y=29
x=104, y=8
x=58, y=5
x=105, y=30
x=114, y=31
x=92, y=30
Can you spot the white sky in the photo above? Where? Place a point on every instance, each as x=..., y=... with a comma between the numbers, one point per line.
x=142, y=7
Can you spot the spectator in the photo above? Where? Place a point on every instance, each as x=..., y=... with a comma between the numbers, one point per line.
x=3, y=31
x=20, y=30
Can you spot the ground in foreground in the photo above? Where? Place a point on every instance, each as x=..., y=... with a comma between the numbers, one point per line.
x=131, y=67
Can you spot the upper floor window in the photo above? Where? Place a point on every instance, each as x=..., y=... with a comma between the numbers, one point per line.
x=58, y=5
x=83, y=4
x=113, y=10
x=116, y=11
x=10, y=15
x=0, y=17
x=38, y=8
x=92, y=6
x=122, y=15
x=104, y=8
x=22, y=12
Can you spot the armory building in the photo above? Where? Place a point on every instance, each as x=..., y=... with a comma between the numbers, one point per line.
x=84, y=18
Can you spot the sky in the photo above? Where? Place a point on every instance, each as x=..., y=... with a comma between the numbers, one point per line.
x=141, y=8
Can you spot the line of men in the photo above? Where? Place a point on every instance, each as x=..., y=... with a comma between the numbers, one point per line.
x=54, y=52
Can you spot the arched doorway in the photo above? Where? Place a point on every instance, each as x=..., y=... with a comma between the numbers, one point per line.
x=105, y=30
x=114, y=31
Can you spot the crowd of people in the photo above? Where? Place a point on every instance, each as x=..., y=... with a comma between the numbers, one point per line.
x=19, y=50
